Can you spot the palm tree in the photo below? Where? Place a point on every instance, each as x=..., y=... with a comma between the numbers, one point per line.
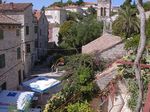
x=127, y=22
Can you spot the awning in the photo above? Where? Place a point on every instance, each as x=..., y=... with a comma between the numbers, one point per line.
x=41, y=84
x=15, y=100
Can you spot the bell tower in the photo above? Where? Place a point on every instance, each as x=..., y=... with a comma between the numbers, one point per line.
x=103, y=14
x=104, y=9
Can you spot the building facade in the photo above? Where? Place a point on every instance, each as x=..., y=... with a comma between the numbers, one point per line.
x=56, y=15
x=74, y=8
x=42, y=34
x=11, y=65
x=22, y=13
x=103, y=9
x=53, y=34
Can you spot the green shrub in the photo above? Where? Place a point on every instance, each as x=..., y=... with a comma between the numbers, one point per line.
x=79, y=107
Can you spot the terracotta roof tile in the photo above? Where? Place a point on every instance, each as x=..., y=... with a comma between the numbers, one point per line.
x=7, y=20
x=14, y=6
x=90, y=3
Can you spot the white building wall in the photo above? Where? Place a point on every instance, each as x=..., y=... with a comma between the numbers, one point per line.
x=55, y=35
x=74, y=9
x=55, y=15
x=9, y=73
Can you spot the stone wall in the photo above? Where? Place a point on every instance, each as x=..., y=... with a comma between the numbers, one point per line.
x=26, y=19
x=113, y=53
x=9, y=73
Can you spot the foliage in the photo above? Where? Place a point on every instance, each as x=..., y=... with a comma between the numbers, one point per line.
x=64, y=29
x=146, y=6
x=132, y=42
x=126, y=3
x=132, y=88
x=69, y=2
x=127, y=23
x=80, y=2
x=81, y=33
x=58, y=4
x=127, y=72
x=79, y=107
x=78, y=83
x=148, y=28
x=74, y=16
x=91, y=11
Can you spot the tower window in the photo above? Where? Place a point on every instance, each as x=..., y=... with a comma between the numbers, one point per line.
x=105, y=11
x=101, y=11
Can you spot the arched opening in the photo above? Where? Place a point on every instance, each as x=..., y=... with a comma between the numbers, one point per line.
x=101, y=11
x=105, y=11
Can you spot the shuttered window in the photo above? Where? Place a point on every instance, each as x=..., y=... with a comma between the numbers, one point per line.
x=18, y=53
x=1, y=34
x=2, y=60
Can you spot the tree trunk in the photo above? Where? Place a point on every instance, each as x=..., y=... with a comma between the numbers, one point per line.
x=140, y=51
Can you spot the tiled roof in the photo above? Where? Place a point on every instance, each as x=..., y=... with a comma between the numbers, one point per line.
x=54, y=8
x=7, y=20
x=102, y=43
x=14, y=6
x=90, y=3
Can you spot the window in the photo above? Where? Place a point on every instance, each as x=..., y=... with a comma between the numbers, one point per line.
x=19, y=77
x=28, y=48
x=101, y=11
x=35, y=29
x=2, y=60
x=27, y=30
x=43, y=20
x=24, y=77
x=1, y=34
x=18, y=53
x=3, y=86
x=36, y=43
x=105, y=11
x=40, y=32
x=17, y=32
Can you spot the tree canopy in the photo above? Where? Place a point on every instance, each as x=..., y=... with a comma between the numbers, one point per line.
x=76, y=34
x=127, y=23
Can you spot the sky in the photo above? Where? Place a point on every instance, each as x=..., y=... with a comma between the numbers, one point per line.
x=38, y=4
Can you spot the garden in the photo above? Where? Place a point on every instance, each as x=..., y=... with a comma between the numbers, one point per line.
x=79, y=86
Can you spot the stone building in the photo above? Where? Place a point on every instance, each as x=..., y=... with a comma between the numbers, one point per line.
x=22, y=13
x=55, y=16
x=53, y=34
x=11, y=65
x=74, y=8
x=108, y=47
x=88, y=5
x=42, y=33
x=103, y=9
